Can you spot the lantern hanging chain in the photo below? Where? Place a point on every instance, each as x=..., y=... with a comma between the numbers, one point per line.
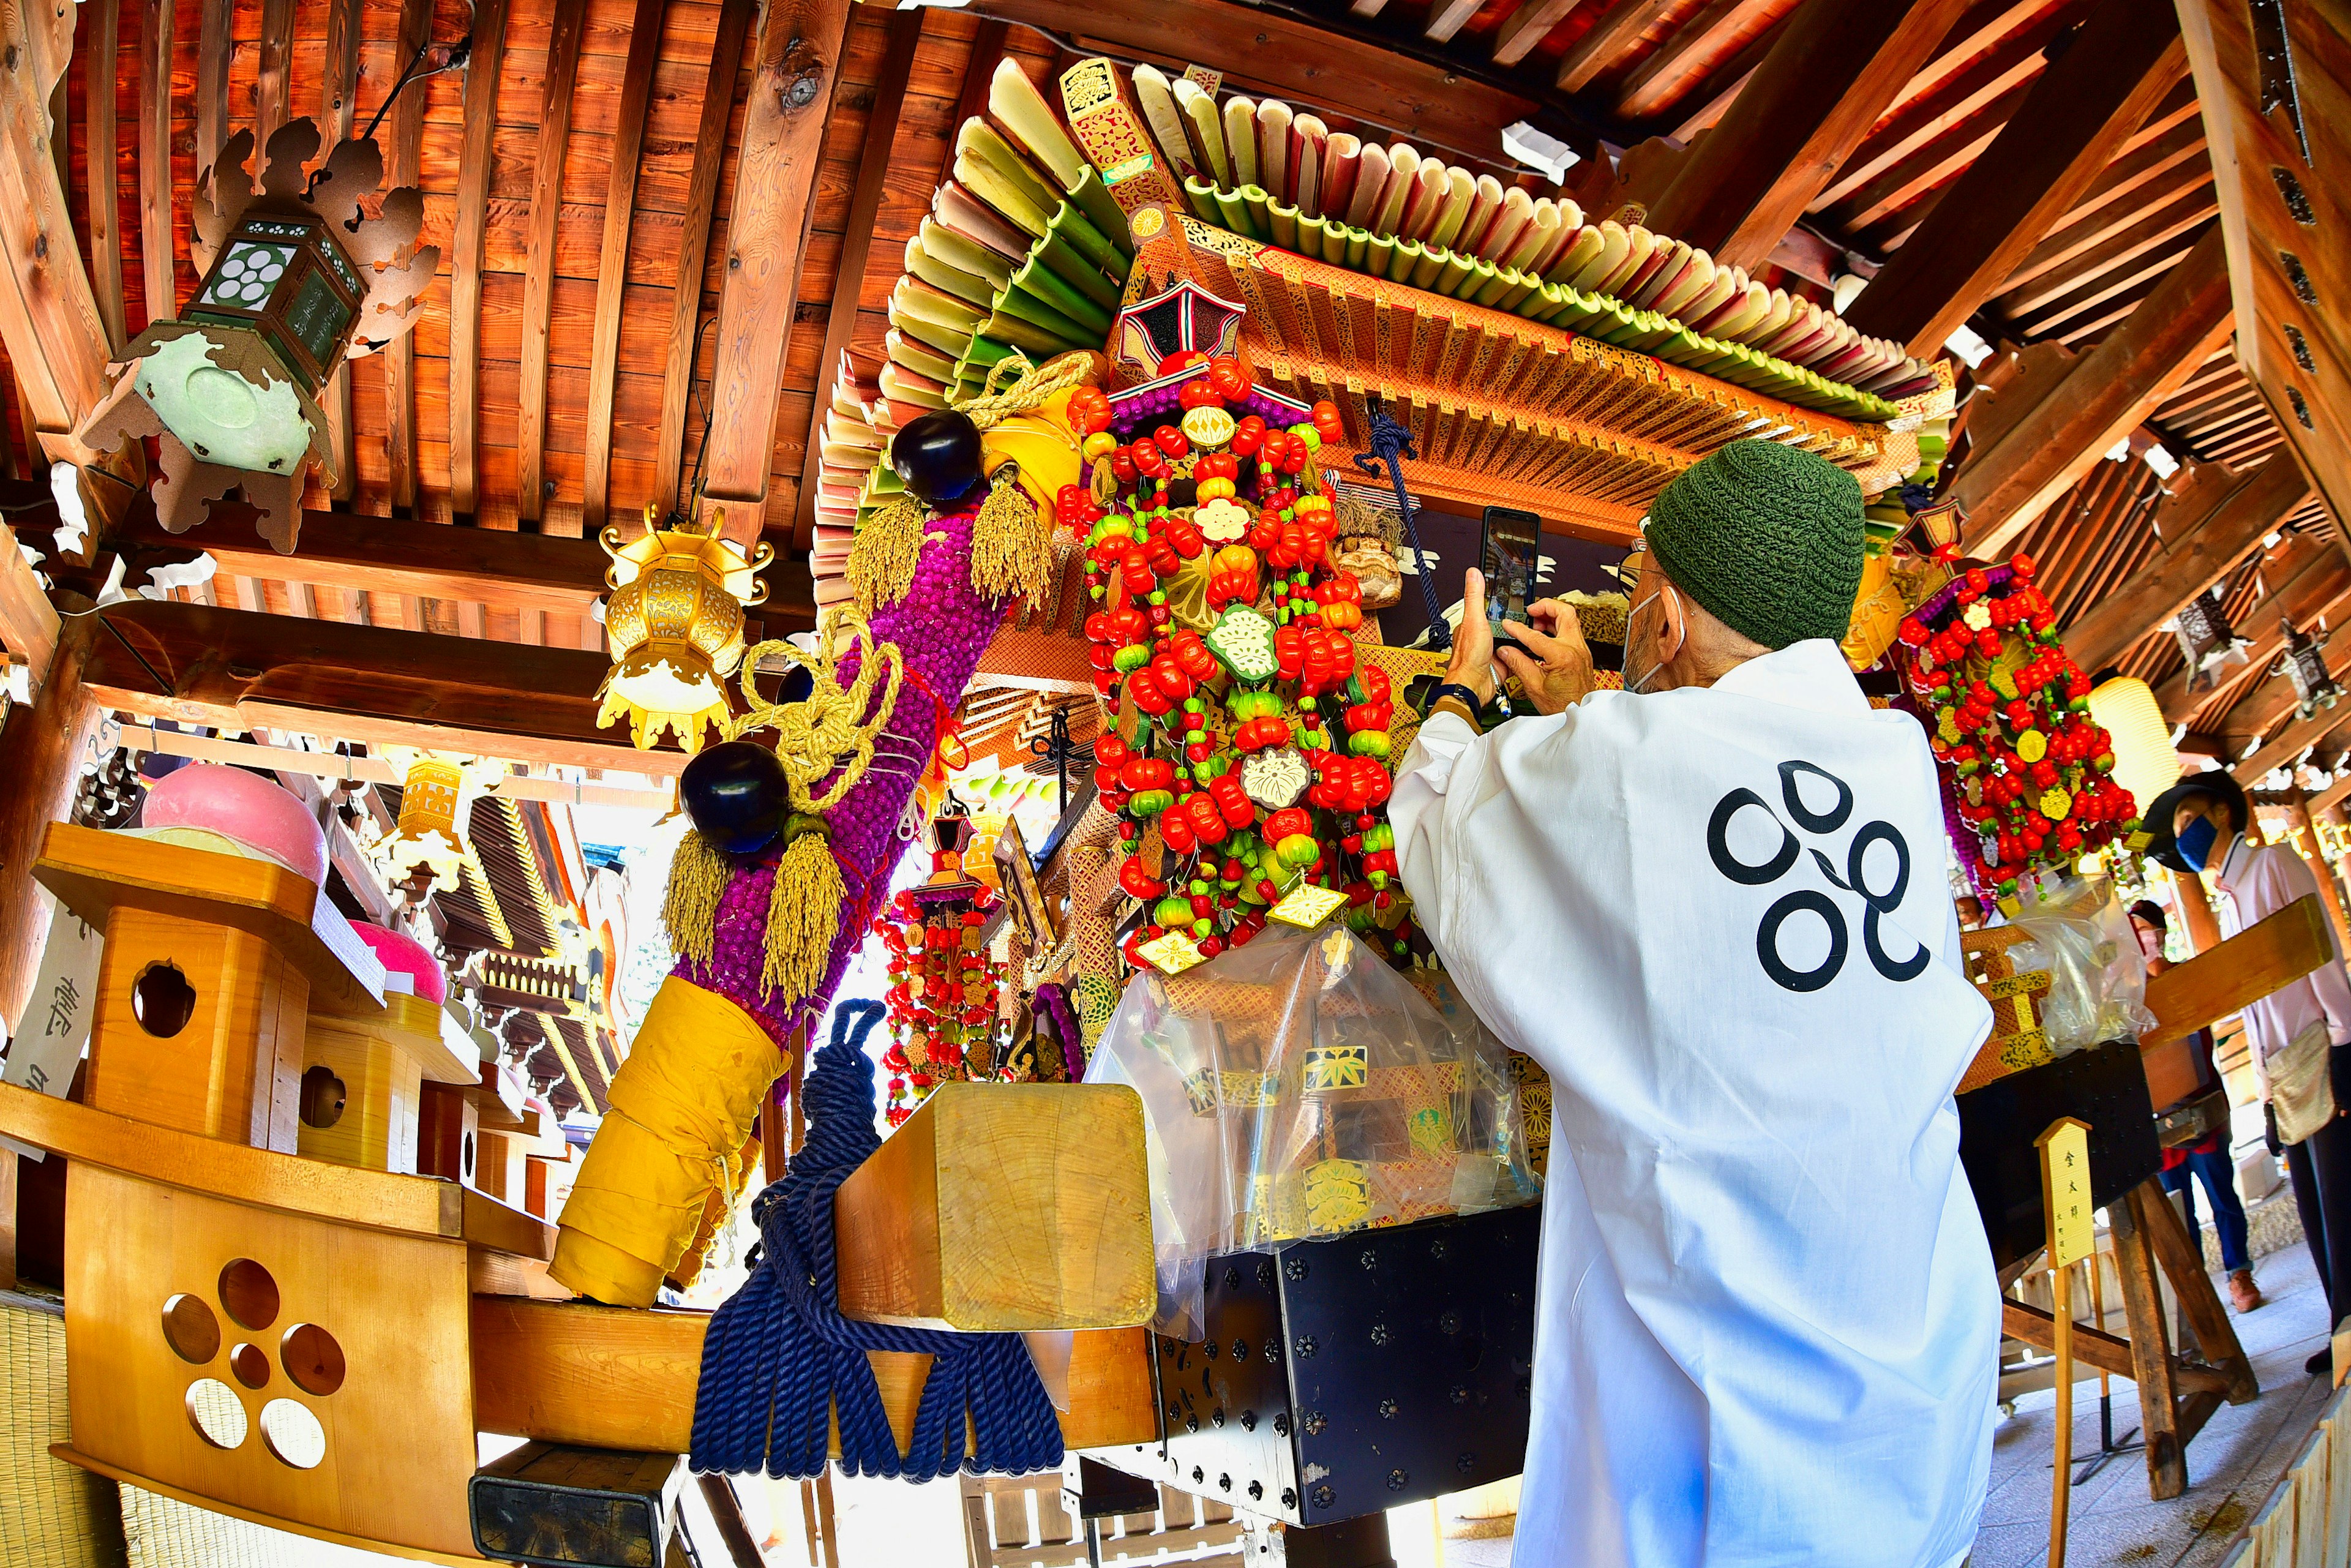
x=693, y=485
x=1391, y=444
x=452, y=55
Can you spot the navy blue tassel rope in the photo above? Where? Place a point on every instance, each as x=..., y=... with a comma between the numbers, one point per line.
x=1392, y=442
x=779, y=1357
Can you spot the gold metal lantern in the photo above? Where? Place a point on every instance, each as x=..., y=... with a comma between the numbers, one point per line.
x=674, y=622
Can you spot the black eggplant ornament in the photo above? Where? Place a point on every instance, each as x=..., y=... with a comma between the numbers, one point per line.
x=938, y=457
x=736, y=795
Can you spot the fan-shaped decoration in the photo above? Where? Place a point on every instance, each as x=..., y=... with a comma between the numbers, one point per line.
x=298, y=279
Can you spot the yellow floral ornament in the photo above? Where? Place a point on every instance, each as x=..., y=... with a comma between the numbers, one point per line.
x=2056, y=805
x=2031, y=746
x=1207, y=426
x=1221, y=521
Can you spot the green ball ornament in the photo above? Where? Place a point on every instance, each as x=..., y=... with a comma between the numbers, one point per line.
x=1158, y=596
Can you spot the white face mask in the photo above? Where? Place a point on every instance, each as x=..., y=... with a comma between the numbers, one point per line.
x=1639, y=685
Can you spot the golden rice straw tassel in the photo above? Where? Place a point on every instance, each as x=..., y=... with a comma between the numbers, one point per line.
x=1011, y=544
x=698, y=880
x=803, y=913
x=882, y=557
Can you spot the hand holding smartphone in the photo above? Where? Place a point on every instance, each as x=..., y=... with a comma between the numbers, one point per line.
x=1509, y=555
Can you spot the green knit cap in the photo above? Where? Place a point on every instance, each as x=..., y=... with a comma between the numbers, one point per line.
x=1766, y=536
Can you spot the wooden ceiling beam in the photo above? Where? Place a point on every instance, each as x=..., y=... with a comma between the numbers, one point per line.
x=1617, y=30
x=2122, y=62
x=2207, y=526
x=2101, y=287
x=613, y=260
x=233, y=671
x=2320, y=589
x=215, y=51
x=101, y=65
x=2085, y=232
x=1447, y=17
x=905, y=32
x=403, y=160
x=2276, y=698
x=796, y=65
x=694, y=246
x=468, y=231
x=1829, y=75
x=539, y=264
x=1904, y=192
x=1525, y=28
x=2155, y=227
x=2040, y=451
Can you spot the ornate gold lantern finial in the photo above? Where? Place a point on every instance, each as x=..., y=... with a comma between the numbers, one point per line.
x=436, y=791
x=674, y=620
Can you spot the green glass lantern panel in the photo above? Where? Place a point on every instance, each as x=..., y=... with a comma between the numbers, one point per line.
x=245, y=276
x=318, y=318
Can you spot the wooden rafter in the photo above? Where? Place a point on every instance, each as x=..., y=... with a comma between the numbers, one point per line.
x=467, y=234
x=613, y=261
x=1829, y=75
x=1525, y=28
x=1616, y=31
x=1447, y=17
x=2042, y=452
x=155, y=157
x=273, y=78
x=795, y=66
x=905, y=31
x=215, y=51
x=403, y=160
x=2213, y=520
x=1658, y=80
x=56, y=342
x=734, y=19
x=2318, y=590
x=2125, y=58
x=538, y=263
x=103, y=191
x=338, y=102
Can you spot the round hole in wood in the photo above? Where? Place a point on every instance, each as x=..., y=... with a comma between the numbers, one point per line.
x=322, y=1097
x=465, y=1157
x=248, y=1294
x=313, y=1359
x=250, y=1364
x=191, y=1330
x=216, y=1413
x=293, y=1434
x=162, y=1000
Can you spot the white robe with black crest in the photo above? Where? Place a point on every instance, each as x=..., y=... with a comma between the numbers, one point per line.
x=1769, y=1325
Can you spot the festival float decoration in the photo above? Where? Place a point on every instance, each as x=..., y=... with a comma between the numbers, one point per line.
x=297, y=278
x=2027, y=768
x=944, y=985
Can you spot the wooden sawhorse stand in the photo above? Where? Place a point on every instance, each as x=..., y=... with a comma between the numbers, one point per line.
x=2176, y=1396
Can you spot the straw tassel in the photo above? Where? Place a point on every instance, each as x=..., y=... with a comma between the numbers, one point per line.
x=803, y=913
x=1010, y=543
x=882, y=557
x=697, y=878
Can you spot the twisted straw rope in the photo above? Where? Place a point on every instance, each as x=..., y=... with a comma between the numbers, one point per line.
x=813, y=735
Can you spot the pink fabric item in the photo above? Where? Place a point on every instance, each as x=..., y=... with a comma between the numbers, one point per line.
x=401, y=954
x=242, y=806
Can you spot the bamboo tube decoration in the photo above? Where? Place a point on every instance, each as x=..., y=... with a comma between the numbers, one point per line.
x=1240, y=138
x=1404, y=167
x=963, y=253
x=1715, y=286
x=966, y=215
x=1343, y=160
x=966, y=286
x=1274, y=122
x=1563, y=234
x=1518, y=210
x=1639, y=244
x=1543, y=225
x=1484, y=206
x=1644, y=277
x=1460, y=190
x=1308, y=143
x=1017, y=105
x=1663, y=274
x=1158, y=100
x=1207, y=133
x=1371, y=180
x=1582, y=251
x=1747, y=303
x=916, y=355
x=1424, y=200
x=983, y=141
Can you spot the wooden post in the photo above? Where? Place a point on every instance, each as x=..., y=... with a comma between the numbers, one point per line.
x=2297, y=814
x=2194, y=912
x=2152, y=1367
x=41, y=751
x=2065, y=1203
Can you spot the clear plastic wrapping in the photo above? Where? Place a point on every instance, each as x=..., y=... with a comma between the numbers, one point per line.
x=2080, y=935
x=1297, y=1086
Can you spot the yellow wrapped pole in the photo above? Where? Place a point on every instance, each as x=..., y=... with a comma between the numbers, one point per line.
x=679, y=1117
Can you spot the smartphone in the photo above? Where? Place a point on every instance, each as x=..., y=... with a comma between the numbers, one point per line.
x=1508, y=556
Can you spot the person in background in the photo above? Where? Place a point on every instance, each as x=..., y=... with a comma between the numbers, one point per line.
x=2297, y=1032
x=1971, y=912
x=2207, y=1161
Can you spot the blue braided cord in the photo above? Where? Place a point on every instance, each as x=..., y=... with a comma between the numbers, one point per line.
x=779, y=1362
x=1391, y=443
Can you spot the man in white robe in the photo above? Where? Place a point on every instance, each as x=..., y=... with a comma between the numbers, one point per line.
x=1713, y=908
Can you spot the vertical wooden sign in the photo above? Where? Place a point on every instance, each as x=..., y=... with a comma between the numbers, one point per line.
x=2066, y=1199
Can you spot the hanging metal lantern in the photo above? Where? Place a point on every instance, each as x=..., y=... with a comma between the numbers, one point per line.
x=675, y=624
x=436, y=792
x=2206, y=641
x=298, y=279
x=2306, y=666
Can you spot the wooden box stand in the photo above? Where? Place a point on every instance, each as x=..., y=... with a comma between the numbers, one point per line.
x=362, y=1084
